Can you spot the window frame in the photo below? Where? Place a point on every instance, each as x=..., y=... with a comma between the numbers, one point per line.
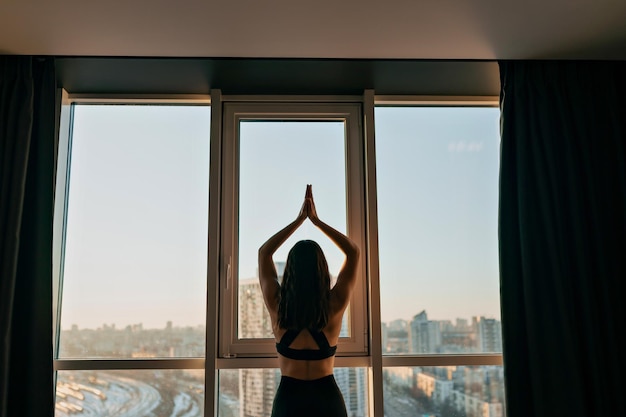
x=68, y=103
x=238, y=109
x=366, y=231
x=426, y=359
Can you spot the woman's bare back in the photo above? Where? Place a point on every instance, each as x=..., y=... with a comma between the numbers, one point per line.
x=309, y=369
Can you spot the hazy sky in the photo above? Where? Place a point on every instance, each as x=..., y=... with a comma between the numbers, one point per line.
x=137, y=212
x=437, y=178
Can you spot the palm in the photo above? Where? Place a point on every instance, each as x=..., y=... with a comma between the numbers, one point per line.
x=309, y=204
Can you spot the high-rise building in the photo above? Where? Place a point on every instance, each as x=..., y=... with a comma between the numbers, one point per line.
x=424, y=335
x=254, y=320
x=457, y=337
x=257, y=387
x=398, y=325
x=351, y=382
x=397, y=334
x=489, y=334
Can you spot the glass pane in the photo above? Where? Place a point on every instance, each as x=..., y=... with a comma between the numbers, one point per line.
x=250, y=392
x=277, y=161
x=448, y=391
x=134, y=279
x=437, y=181
x=130, y=393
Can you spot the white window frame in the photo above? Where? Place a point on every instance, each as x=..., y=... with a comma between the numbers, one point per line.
x=236, y=110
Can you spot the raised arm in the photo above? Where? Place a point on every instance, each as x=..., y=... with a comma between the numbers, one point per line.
x=342, y=291
x=268, y=277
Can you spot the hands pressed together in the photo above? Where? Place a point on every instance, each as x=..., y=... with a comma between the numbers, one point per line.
x=308, y=207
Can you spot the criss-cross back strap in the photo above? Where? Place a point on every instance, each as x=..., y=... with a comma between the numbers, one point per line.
x=324, y=351
x=320, y=339
x=289, y=337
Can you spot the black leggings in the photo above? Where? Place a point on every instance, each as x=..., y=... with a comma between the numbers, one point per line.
x=300, y=398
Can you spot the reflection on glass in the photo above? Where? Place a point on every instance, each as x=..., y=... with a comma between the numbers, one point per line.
x=130, y=393
x=437, y=183
x=447, y=391
x=250, y=392
x=134, y=272
x=276, y=162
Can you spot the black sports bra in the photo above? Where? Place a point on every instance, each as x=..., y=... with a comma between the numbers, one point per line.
x=325, y=349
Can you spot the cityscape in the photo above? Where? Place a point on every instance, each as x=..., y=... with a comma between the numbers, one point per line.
x=445, y=391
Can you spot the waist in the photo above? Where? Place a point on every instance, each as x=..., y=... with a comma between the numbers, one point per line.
x=306, y=370
x=297, y=381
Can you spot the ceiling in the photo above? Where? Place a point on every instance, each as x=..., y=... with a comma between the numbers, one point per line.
x=390, y=29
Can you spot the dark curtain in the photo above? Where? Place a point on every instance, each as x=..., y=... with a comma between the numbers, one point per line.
x=27, y=168
x=562, y=232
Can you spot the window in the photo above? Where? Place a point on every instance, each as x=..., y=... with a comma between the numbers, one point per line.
x=437, y=182
x=162, y=205
x=133, y=267
x=271, y=151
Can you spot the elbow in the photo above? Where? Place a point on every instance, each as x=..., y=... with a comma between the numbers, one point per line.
x=354, y=252
x=264, y=253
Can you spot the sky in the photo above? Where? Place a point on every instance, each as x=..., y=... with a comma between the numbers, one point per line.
x=137, y=217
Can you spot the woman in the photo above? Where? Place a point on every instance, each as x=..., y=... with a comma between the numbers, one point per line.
x=306, y=317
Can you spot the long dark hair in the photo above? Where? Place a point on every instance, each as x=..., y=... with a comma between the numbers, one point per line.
x=305, y=289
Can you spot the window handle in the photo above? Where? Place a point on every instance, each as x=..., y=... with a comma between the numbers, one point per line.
x=229, y=274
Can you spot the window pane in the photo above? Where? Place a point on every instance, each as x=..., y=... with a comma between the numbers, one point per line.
x=130, y=393
x=277, y=161
x=250, y=392
x=437, y=181
x=450, y=391
x=134, y=279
